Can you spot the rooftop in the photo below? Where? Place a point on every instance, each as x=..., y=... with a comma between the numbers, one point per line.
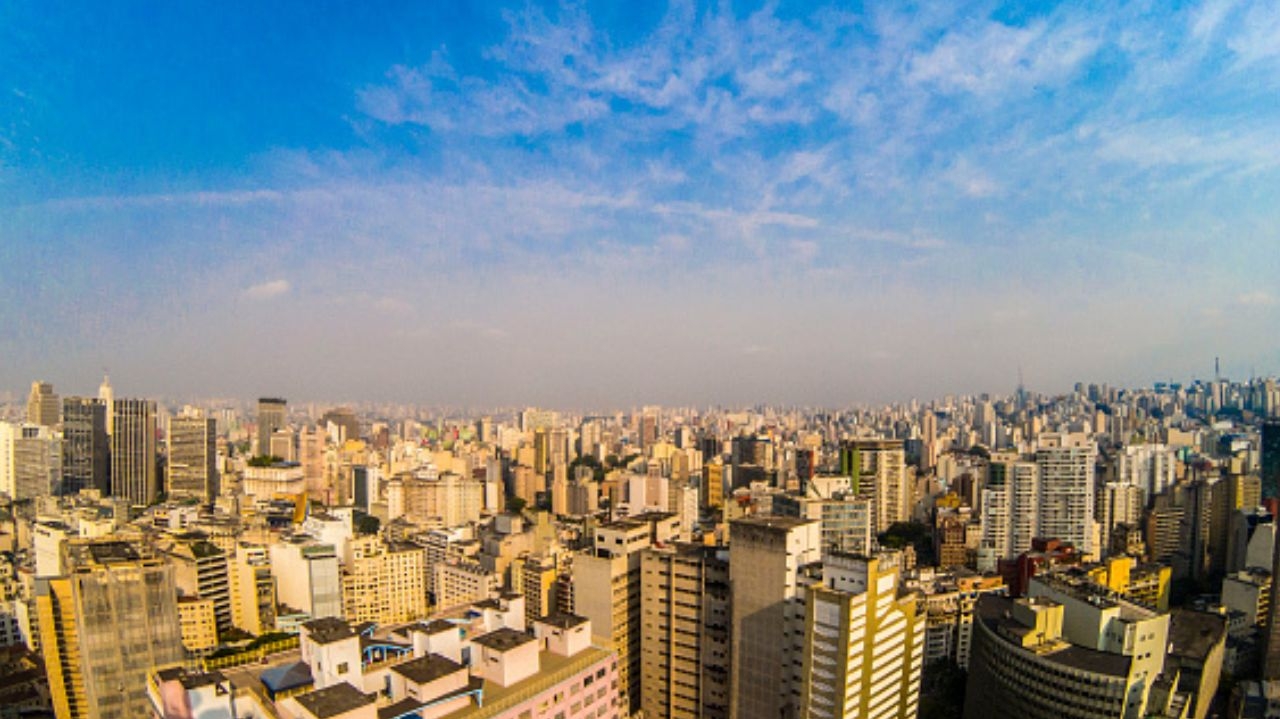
x=190, y=679
x=563, y=620
x=996, y=612
x=428, y=668
x=328, y=630
x=772, y=522
x=552, y=669
x=503, y=639
x=334, y=701
x=1193, y=634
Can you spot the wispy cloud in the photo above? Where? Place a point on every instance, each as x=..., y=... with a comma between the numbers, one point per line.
x=1257, y=298
x=934, y=164
x=267, y=290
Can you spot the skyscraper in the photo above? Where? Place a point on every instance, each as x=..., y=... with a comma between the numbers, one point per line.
x=272, y=415
x=133, y=451
x=1066, y=505
x=766, y=555
x=85, y=449
x=684, y=643
x=30, y=460
x=878, y=466
x=103, y=625
x=863, y=643
x=42, y=405
x=1271, y=459
x=108, y=398
x=192, y=457
x=606, y=590
x=1271, y=491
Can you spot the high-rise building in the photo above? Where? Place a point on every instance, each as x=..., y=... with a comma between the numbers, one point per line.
x=103, y=626
x=1270, y=459
x=253, y=589
x=30, y=460
x=133, y=451
x=86, y=452
x=846, y=520
x=1147, y=466
x=1010, y=507
x=192, y=462
x=878, y=467
x=712, y=487
x=863, y=642
x=383, y=582
x=344, y=421
x=1271, y=490
x=202, y=570
x=766, y=555
x=606, y=590
x=684, y=644
x=107, y=396
x=1066, y=506
x=1119, y=503
x=272, y=415
x=42, y=405
x=308, y=577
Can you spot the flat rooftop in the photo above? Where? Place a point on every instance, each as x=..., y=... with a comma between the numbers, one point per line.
x=996, y=612
x=503, y=639
x=427, y=668
x=334, y=701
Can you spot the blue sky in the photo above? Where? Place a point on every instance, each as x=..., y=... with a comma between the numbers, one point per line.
x=602, y=204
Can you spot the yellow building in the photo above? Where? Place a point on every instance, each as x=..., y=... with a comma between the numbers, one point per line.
x=713, y=483
x=864, y=642
x=199, y=624
x=103, y=625
x=1144, y=583
x=384, y=583
x=536, y=578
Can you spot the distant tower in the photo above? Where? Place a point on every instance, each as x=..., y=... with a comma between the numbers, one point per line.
x=85, y=446
x=133, y=451
x=1022, y=391
x=193, y=457
x=272, y=412
x=111, y=618
x=107, y=396
x=42, y=405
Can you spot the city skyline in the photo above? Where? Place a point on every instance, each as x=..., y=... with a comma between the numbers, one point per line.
x=608, y=206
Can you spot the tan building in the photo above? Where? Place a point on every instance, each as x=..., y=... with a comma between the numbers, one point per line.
x=878, y=467
x=684, y=644
x=192, y=461
x=606, y=590
x=253, y=589
x=199, y=624
x=446, y=501
x=462, y=582
x=384, y=583
x=536, y=577
x=713, y=484
x=766, y=557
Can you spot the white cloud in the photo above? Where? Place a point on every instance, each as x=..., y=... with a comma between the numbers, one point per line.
x=267, y=290
x=1258, y=298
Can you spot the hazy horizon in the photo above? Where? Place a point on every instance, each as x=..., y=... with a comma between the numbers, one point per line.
x=607, y=206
